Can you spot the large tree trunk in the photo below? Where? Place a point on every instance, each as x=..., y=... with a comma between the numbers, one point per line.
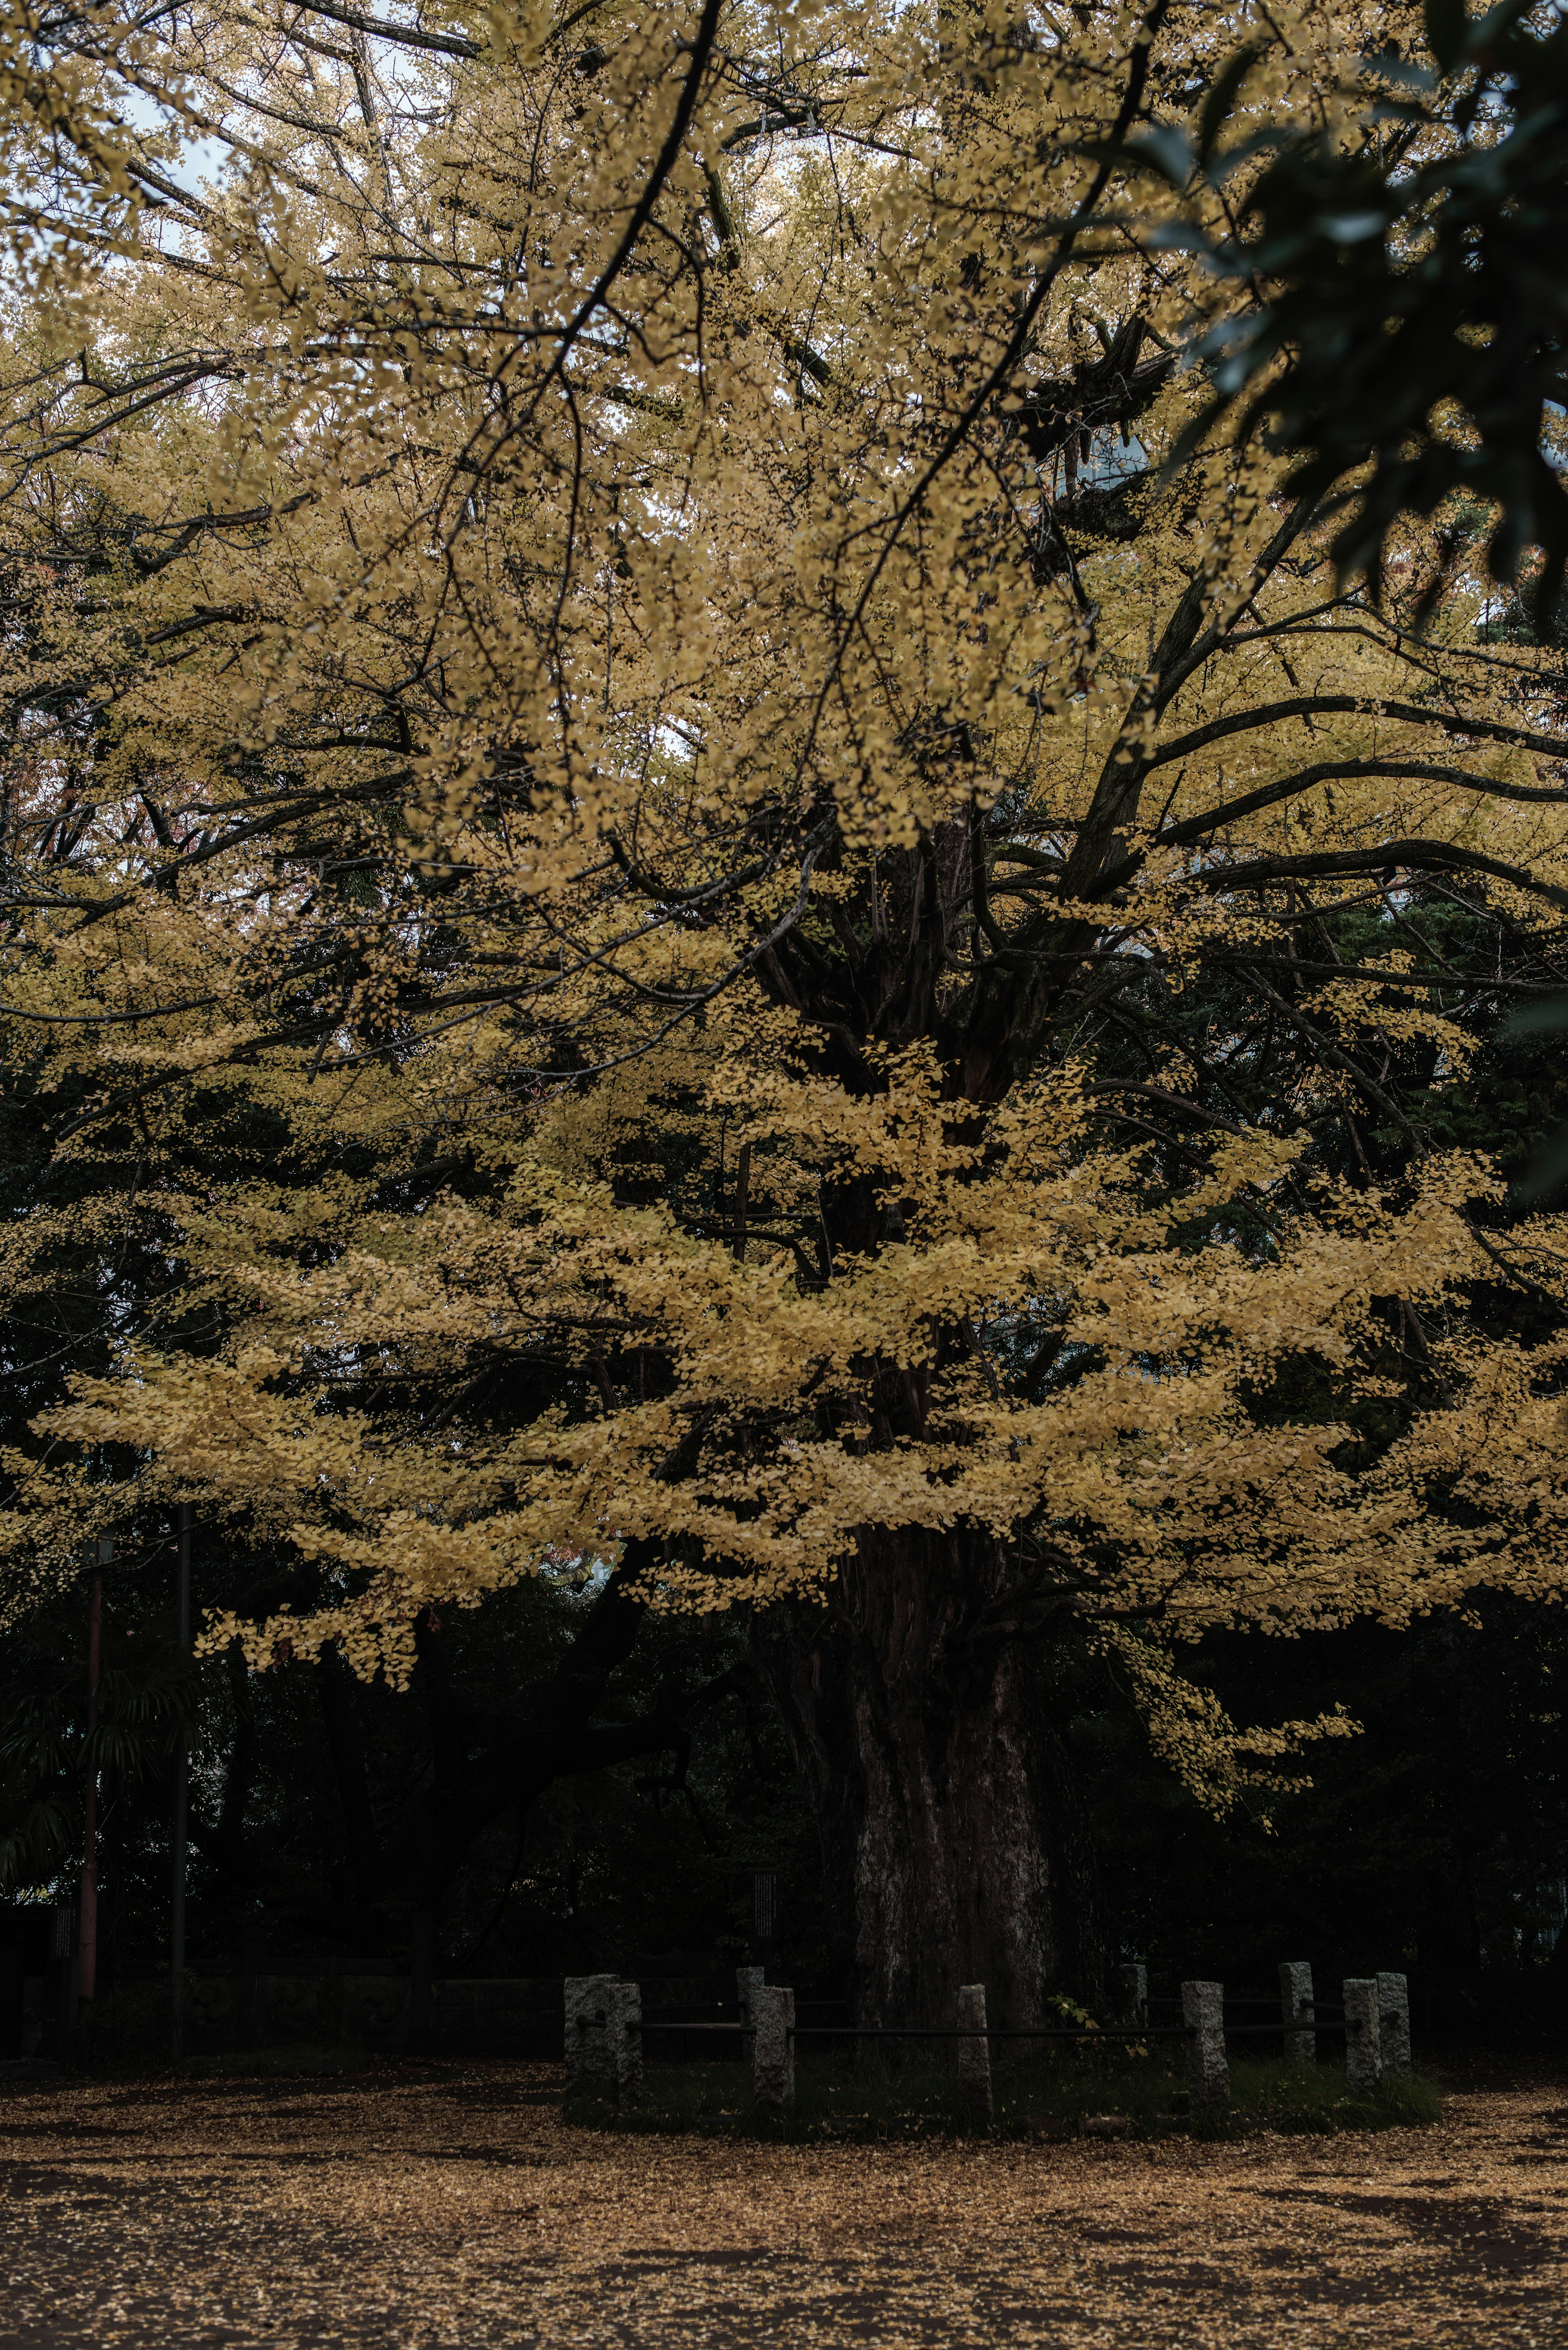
x=952, y=1844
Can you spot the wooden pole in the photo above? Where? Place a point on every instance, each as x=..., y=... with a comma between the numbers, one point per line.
x=87, y=1971
x=181, y=1795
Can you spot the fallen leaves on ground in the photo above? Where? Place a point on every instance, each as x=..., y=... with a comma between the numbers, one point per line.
x=419, y=2211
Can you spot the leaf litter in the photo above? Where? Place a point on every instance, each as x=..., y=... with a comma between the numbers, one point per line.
x=452, y=2208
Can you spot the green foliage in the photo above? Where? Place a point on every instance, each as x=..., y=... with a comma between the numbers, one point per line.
x=1415, y=264
x=1277, y=2097
x=48, y=1752
x=1032, y=2096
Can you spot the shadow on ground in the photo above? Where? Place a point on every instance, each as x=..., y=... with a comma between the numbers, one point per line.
x=454, y=2209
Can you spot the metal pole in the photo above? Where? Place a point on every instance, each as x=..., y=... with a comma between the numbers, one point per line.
x=87, y=1970
x=182, y=1781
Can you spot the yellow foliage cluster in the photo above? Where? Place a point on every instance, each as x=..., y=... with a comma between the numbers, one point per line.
x=611, y=707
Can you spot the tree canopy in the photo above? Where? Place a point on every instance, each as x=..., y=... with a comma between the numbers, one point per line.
x=707, y=880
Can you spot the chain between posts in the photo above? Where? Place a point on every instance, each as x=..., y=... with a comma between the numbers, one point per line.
x=987, y=2031
x=611, y=2032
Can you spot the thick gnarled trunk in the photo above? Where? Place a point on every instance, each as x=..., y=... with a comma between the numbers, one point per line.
x=948, y=1838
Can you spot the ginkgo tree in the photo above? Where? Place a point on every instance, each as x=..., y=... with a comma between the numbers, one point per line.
x=625, y=633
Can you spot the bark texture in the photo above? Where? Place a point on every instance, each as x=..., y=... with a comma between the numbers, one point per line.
x=934, y=1783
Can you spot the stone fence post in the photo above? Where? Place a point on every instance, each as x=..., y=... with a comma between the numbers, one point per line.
x=1133, y=1979
x=602, y=2042
x=974, y=2056
x=626, y=2042
x=1363, y=2038
x=586, y=2050
x=748, y=1981
x=1207, y=2074
x=1297, y=2007
x=1394, y=2023
x=772, y=2046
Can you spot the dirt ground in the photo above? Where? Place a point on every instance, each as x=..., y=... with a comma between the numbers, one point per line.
x=459, y=2210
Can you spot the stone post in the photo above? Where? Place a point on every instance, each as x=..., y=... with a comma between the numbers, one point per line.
x=1297, y=2007
x=1207, y=2074
x=974, y=2057
x=587, y=2040
x=1363, y=2048
x=748, y=1981
x=625, y=2004
x=1394, y=2023
x=772, y=2047
x=1134, y=1979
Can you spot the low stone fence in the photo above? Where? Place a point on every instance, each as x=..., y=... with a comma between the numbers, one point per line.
x=605, y=2029
x=610, y=2024
x=1372, y=2016
x=606, y=2032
